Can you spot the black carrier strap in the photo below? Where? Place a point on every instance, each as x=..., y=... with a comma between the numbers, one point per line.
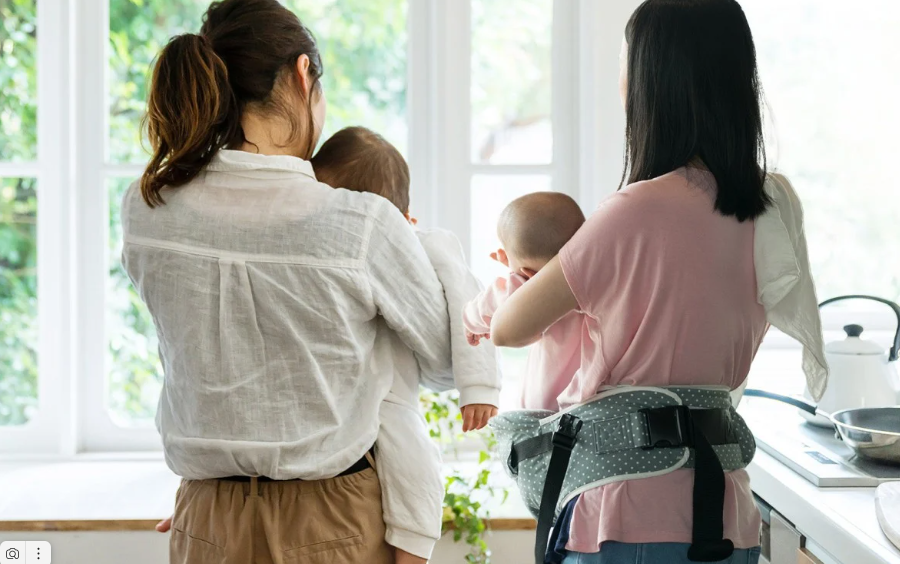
x=529, y=448
x=680, y=426
x=563, y=442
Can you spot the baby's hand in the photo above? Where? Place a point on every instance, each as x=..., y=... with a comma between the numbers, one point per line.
x=476, y=416
x=475, y=338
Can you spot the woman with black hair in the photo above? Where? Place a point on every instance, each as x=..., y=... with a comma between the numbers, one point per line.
x=664, y=269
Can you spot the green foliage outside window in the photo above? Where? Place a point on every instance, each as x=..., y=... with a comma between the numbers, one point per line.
x=18, y=214
x=18, y=300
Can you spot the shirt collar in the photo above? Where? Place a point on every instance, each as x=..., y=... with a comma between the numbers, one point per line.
x=252, y=164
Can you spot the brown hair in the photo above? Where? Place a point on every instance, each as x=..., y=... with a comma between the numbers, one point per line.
x=538, y=225
x=202, y=83
x=359, y=159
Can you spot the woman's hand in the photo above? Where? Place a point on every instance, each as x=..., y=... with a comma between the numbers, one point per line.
x=476, y=416
x=164, y=525
x=533, y=308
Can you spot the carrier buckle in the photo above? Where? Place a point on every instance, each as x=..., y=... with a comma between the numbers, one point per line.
x=567, y=432
x=668, y=427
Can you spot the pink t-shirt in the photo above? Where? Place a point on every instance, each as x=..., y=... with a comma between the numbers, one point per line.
x=552, y=361
x=668, y=287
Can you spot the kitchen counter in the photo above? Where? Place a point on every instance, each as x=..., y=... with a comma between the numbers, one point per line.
x=840, y=522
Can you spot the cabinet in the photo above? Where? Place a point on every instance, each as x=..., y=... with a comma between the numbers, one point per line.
x=781, y=542
x=804, y=557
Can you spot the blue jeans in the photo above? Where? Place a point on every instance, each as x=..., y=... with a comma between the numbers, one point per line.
x=651, y=553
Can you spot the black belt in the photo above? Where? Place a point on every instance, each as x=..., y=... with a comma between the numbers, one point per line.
x=360, y=465
x=668, y=427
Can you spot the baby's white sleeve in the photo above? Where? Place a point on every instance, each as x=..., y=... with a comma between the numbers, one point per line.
x=408, y=464
x=475, y=369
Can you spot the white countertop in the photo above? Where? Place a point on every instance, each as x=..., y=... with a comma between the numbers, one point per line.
x=841, y=521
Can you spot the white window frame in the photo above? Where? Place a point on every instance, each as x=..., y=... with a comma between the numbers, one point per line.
x=48, y=431
x=72, y=169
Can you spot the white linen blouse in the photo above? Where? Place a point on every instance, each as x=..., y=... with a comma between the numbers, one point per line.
x=266, y=287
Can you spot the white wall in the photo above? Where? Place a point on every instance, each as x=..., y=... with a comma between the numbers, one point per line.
x=509, y=547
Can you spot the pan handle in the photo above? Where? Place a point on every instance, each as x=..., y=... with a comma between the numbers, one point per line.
x=895, y=346
x=798, y=403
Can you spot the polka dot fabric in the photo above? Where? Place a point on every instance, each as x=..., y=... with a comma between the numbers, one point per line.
x=606, y=450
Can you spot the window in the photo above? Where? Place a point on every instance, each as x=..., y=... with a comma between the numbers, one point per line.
x=483, y=112
x=831, y=88
x=18, y=300
x=18, y=213
x=511, y=82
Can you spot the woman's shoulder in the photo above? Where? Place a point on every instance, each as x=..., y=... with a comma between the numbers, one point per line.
x=344, y=199
x=681, y=182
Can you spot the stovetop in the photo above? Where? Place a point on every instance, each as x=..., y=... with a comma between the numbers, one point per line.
x=814, y=452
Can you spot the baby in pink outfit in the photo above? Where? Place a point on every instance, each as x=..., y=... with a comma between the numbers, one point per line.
x=532, y=230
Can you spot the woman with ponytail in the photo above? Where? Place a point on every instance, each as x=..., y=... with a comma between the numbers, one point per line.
x=274, y=297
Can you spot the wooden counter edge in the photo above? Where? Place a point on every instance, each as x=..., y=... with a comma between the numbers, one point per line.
x=92, y=525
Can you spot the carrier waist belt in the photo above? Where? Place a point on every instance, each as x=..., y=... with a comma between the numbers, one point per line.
x=663, y=427
x=629, y=433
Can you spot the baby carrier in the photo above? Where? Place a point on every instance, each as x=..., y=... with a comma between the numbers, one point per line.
x=628, y=433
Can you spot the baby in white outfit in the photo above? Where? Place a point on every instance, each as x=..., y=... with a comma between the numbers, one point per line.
x=406, y=459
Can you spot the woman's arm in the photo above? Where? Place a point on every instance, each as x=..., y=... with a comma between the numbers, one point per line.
x=479, y=312
x=531, y=310
x=409, y=296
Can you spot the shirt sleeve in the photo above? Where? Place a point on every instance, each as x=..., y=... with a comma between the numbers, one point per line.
x=407, y=293
x=479, y=312
x=593, y=259
x=475, y=369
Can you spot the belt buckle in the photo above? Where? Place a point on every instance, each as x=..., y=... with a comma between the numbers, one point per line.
x=668, y=427
x=567, y=432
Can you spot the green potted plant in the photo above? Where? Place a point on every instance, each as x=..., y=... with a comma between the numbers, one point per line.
x=465, y=493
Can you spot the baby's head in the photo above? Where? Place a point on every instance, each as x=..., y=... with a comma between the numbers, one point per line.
x=535, y=227
x=359, y=159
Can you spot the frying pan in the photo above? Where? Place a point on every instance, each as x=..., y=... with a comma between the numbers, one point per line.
x=872, y=432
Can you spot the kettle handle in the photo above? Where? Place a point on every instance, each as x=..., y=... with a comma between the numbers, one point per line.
x=895, y=348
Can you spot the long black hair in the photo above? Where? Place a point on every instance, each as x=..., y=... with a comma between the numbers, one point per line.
x=694, y=94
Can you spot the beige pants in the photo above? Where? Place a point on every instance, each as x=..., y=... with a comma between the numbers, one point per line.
x=336, y=521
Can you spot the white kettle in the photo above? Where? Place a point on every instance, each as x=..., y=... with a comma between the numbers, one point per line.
x=861, y=373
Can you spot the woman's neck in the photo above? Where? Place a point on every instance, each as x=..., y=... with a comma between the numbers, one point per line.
x=270, y=136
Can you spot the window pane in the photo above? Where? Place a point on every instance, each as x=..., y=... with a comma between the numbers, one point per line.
x=138, y=29
x=490, y=194
x=133, y=368
x=832, y=91
x=511, y=81
x=18, y=300
x=18, y=80
x=363, y=48
x=365, y=73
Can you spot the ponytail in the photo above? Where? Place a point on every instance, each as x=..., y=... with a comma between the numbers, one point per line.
x=192, y=112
